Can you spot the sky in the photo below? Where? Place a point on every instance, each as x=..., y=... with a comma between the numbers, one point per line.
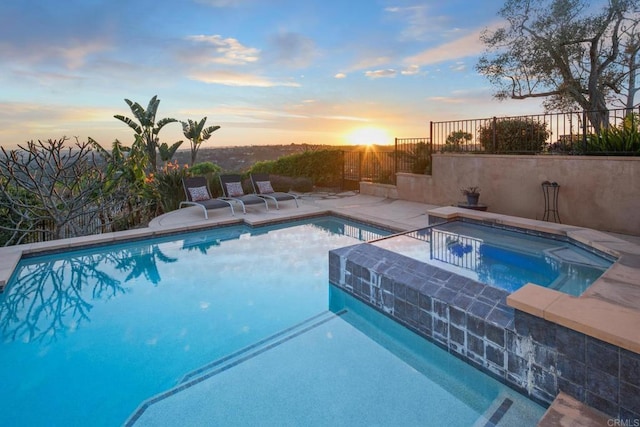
x=266, y=71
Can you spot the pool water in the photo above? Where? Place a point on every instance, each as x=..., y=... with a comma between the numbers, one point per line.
x=89, y=336
x=503, y=258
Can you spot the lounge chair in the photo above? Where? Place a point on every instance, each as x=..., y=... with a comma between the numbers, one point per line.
x=196, y=189
x=232, y=189
x=263, y=188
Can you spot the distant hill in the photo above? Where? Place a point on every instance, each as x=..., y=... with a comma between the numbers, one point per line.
x=240, y=159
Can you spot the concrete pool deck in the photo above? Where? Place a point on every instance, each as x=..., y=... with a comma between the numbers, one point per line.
x=609, y=310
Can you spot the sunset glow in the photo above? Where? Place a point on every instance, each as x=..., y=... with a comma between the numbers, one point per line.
x=369, y=136
x=265, y=72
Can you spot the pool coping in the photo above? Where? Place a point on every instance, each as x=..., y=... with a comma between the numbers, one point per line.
x=608, y=310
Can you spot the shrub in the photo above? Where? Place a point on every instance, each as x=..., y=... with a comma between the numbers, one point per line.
x=514, y=135
x=322, y=167
x=621, y=140
x=166, y=186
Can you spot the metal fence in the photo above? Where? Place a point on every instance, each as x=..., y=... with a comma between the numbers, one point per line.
x=380, y=164
x=615, y=132
x=89, y=222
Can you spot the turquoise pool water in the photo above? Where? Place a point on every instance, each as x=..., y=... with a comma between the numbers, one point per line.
x=88, y=336
x=507, y=259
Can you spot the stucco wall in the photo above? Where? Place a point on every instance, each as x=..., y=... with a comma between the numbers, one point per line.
x=595, y=192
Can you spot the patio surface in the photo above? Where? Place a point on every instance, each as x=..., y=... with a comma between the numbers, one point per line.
x=610, y=310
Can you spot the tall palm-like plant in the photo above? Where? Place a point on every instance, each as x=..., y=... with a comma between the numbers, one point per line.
x=197, y=134
x=146, y=129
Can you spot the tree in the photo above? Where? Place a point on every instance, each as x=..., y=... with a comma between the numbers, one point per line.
x=513, y=135
x=565, y=52
x=53, y=190
x=197, y=134
x=457, y=140
x=146, y=130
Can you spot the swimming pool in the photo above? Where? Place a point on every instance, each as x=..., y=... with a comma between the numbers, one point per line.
x=505, y=258
x=90, y=335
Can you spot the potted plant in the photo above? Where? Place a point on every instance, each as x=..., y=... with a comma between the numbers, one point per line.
x=472, y=193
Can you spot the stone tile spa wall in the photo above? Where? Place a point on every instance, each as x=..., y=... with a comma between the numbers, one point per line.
x=472, y=320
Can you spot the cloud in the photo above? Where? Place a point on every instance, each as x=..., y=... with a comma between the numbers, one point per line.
x=227, y=51
x=71, y=54
x=381, y=73
x=410, y=70
x=458, y=66
x=231, y=78
x=340, y=76
x=463, y=47
x=417, y=21
x=370, y=62
x=447, y=100
x=292, y=49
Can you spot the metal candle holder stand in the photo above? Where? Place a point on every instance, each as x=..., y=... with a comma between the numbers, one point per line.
x=550, y=191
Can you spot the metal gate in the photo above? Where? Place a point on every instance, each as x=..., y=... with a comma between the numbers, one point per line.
x=351, y=168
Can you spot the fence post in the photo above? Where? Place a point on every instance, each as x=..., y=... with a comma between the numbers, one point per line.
x=494, y=132
x=395, y=162
x=430, y=147
x=344, y=155
x=584, y=131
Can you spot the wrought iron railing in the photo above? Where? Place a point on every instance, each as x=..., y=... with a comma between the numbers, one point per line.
x=600, y=132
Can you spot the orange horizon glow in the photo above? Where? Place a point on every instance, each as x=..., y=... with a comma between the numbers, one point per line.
x=369, y=135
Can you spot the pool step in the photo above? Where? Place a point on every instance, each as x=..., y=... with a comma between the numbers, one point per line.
x=220, y=365
x=246, y=353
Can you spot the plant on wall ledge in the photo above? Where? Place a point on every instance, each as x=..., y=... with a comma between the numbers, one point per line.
x=472, y=193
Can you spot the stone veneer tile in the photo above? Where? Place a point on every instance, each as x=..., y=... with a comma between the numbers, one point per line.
x=574, y=390
x=457, y=316
x=471, y=320
x=425, y=302
x=456, y=334
x=425, y=324
x=475, y=345
x=630, y=398
x=495, y=355
x=571, y=370
x=603, y=357
x=476, y=325
x=630, y=367
x=601, y=404
x=480, y=309
x=500, y=317
x=446, y=295
x=495, y=334
x=462, y=301
x=571, y=343
x=472, y=288
x=602, y=385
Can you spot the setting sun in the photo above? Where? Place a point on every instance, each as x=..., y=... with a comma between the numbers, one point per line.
x=368, y=136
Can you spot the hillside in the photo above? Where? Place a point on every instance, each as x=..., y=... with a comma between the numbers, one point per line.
x=240, y=159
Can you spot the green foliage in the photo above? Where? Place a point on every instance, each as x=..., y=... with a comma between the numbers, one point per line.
x=197, y=134
x=456, y=140
x=211, y=171
x=621, y=140
x=166, y=186
x=146, y=130
x=167, y=152
x=323, y=167
x=566, y=52
x=204, y=168
x=513, y=135
x=420, y=157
